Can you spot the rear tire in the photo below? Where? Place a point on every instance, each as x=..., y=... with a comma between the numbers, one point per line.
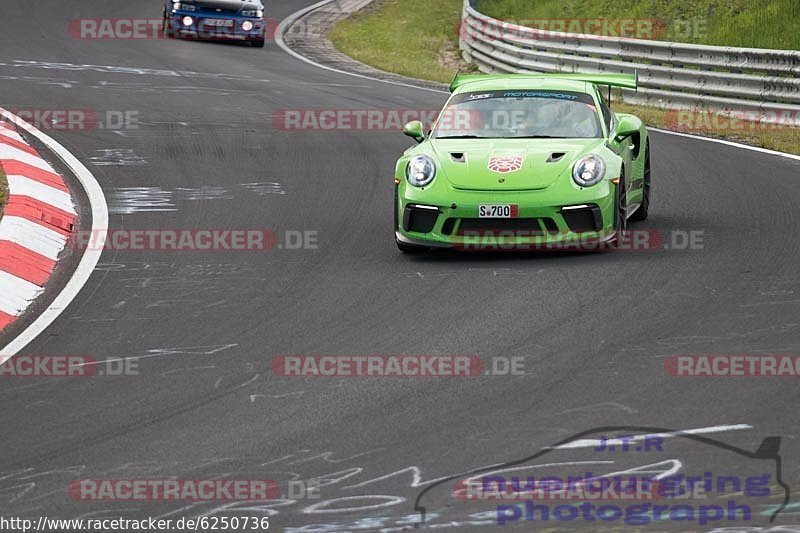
x=643, y=211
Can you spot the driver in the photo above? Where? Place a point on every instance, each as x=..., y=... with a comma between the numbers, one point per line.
x=559, y=118
x=545, y=118
x=583, y=120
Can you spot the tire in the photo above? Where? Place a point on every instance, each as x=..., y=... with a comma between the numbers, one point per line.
x=642, y=212
x=258, y=44
x=166, y=31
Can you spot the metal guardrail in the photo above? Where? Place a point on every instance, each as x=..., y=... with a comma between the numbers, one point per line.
x=676, y=75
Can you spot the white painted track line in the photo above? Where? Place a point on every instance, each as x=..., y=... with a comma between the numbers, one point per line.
x=728, y=143
x=291, y=19
x=90, y=258
x=288, y=21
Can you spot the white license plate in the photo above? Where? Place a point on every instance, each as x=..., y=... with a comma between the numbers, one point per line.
x=498, y=211
x=220, y=23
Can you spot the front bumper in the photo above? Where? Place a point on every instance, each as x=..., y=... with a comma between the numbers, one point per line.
x=449, y=218
x=201, y=29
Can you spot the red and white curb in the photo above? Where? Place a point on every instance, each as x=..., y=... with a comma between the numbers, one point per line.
x=38, y=219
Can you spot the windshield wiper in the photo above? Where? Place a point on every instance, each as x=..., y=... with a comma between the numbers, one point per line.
x=538, y=137
x=463, y=137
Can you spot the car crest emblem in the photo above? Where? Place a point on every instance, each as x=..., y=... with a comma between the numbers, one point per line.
x=506, y=164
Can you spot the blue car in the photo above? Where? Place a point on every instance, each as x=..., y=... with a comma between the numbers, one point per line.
x=236, y=20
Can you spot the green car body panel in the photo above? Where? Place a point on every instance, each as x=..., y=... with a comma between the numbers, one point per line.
x=539, y=189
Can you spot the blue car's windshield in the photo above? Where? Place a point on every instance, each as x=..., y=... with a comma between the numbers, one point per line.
x=519, y=114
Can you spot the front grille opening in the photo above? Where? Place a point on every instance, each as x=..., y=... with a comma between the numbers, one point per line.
x=530, y=226
x=550, y=225
x=583, y=220
x=213, y=7
x=555, y=157
x=419, y=220
x=458, y=157
x=448, y=226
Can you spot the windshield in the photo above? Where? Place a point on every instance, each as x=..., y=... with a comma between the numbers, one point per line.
x=519, y=115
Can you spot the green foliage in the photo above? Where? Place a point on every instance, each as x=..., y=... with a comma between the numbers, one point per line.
x=416, y=38
x=742, y=23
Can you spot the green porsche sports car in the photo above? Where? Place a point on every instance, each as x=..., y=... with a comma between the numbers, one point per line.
x=523, y=161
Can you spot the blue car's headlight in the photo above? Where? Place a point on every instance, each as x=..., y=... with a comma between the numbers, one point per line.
x=420, y=171
x=589, y=170
x=257, y=13
x=183, y=6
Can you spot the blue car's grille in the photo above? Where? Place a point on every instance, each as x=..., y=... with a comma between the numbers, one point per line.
x=216, y=11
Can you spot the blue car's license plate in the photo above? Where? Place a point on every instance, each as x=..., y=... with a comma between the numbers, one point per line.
x=220, y=23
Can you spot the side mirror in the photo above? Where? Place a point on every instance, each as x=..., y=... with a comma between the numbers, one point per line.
x=628, y=125
x=415, y=130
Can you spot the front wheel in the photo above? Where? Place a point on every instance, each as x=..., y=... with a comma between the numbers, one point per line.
x=166, y=31
x=258, y=44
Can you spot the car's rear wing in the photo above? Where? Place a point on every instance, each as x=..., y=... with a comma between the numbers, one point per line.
x=626, y=81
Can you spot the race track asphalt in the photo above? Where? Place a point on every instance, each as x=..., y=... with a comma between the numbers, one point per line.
x=593, y=328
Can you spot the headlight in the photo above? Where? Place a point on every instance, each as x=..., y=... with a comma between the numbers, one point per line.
x=183, y=6
x=589, y=170
x=420, y=171
x=258, y=13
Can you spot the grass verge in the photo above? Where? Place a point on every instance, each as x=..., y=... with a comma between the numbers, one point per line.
x=782, y=139
x=419, y=39
x=743, y=23
x=415, y=38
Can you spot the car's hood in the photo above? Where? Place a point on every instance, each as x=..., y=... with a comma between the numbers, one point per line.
x=508, y=164
x=227, y=5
